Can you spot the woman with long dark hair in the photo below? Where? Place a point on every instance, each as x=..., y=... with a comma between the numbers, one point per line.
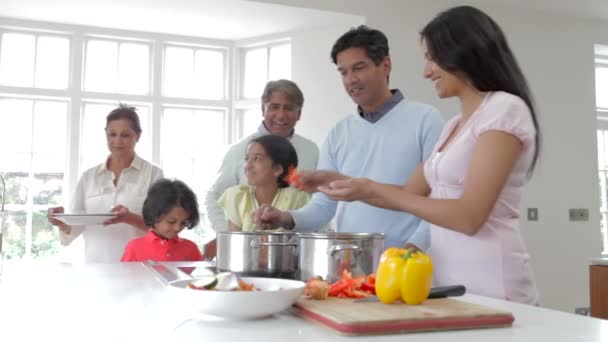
x=470, y=187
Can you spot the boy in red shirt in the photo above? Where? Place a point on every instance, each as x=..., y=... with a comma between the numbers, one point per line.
x=170, y=206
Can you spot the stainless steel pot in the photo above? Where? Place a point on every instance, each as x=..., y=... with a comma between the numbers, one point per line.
x=329, y=254
x=258, y=253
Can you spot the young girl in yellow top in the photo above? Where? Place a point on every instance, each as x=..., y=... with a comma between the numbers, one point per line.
x=267, y=162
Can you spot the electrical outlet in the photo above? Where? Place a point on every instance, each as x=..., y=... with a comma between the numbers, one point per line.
x=580, y=214
x=532, y=214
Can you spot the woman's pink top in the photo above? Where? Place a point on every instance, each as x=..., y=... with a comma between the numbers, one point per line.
x=494, y=262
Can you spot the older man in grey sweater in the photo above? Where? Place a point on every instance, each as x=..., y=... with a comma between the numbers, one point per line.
x=282, y=103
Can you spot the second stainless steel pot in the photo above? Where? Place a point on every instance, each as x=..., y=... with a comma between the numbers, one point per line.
x=329, y=254
x=258, y=253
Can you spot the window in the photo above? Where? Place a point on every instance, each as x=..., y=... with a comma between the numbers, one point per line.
x=32, y=146
x=194, y=72
x=193, y=142
x=185, y=133
x=259, y=65
x=30, y=60
x=601, y=100
x=54, y=102
x=262, y=64
x=248, y=121
x=117, y=67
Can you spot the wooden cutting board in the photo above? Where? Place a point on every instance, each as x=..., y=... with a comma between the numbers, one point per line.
x=349, y=317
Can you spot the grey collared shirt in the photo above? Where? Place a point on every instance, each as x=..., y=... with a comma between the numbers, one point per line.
x=384, y=108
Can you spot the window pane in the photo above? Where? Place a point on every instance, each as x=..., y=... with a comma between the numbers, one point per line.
x=17, y=59
x=600, y=150
x=15, y=140
x=13, y=234
x=101, y=66
x=52, y=62
x=178, y=70
x=192, y=144
x=256, y=73
x=94, y=147
x=251, y=119
x=50, y=132
x=134, y=69
x=280, y=62
x=16, y=188
x=601, y=86
x=209, y=75
x=48, y=189
x=45, y=236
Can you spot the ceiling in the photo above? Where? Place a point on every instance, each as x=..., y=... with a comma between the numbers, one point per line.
x=233, y=19
x=225, y=19
x=597, y=9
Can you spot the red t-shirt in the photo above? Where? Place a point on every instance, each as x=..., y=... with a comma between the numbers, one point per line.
x=153, y=247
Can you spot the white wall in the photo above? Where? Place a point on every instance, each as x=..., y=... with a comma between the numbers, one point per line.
x=325, y=100
x=556, y=53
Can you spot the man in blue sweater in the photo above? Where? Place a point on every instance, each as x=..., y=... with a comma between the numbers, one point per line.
x=385, y=140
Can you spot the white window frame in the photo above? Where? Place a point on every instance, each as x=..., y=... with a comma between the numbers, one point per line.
x=77, y=96
x=240, y=103
x=601, y=59
x=37, y=32
x=116, y=39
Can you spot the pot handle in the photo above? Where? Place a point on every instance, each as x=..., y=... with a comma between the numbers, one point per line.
x=257, y=244
x=336, y=248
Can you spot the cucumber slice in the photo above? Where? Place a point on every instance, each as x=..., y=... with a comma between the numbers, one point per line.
x=200, y=272
x=227, y=281
x=203, y=283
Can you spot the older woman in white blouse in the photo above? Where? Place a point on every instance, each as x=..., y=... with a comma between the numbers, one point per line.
x=119, y=184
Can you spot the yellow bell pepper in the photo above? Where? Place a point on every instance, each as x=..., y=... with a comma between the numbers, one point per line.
x=403, y=274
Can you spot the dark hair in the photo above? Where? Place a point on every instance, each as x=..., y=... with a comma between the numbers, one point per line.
x=125, y=112
x=466, y=40
x=374, y=43
x=282, y=153
x=165, y=194
x=287, y=87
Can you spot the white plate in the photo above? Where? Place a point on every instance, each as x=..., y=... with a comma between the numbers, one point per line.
x=275, y=295
x=83, y=219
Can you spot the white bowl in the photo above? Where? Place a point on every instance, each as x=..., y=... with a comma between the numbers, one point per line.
x=275, y=295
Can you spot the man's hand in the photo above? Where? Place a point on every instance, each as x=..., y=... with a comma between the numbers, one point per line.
x=350, y=189
x=268, y=217
x=310, y=181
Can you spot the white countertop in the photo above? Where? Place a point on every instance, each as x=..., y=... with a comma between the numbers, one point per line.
x=126, y=302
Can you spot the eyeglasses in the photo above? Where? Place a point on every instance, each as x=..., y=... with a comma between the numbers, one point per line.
x=288, y=107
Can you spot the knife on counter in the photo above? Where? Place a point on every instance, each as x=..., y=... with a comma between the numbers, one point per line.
x=164, y=273
x=436, y=292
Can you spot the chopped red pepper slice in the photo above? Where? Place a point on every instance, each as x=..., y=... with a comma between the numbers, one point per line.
x=338, y=287
x=367, y=287
x=349, y=287
x=292, y=177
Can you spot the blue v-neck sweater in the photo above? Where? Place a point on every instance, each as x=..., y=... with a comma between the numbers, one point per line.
x=387, y=151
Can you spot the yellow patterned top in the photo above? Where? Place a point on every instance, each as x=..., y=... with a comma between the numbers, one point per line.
x=239, y=203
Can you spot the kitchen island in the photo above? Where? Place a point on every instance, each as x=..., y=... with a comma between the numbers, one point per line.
x=128, y=302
